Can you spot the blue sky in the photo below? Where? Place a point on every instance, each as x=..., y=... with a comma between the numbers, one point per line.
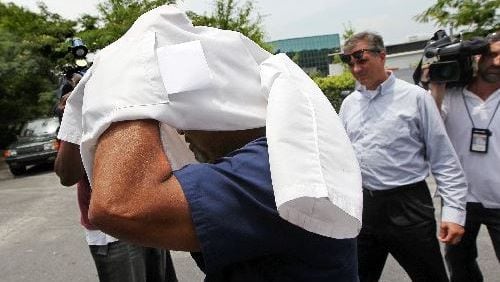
x=393, y=19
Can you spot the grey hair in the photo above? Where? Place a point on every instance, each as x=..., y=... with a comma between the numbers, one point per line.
x=373, y=39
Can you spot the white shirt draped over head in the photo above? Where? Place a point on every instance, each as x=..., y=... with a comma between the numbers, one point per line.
x=201, y=78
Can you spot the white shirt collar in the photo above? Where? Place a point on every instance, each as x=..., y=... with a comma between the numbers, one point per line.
x=371, y=94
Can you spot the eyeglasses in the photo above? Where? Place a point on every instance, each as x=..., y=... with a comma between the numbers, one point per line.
x=357, y=56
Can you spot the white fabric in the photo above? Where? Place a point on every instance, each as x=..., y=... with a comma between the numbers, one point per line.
x=481, y=169
x=70, y=131
x=200, y=78
x=98, y=238
x=398, y=135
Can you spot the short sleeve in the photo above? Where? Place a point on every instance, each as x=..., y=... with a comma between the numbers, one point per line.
x=232, y=207
x=71, y=125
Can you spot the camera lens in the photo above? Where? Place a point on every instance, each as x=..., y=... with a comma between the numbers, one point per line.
x=80, y=52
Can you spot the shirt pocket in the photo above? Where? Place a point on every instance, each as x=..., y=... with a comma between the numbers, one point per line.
x=183, y=67
x=390, y=132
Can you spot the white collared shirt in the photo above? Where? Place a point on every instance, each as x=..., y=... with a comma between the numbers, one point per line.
x=398, y=135
x=481, y=169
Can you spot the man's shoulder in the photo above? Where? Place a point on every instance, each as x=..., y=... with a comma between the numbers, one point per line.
x=453, y=91
x=254, y=154
x=452, y=95
x=251, y=159
x=352, y=97
x=409, y=88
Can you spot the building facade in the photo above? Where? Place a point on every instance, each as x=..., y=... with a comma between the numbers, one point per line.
x=310, y=53
x=403, y=58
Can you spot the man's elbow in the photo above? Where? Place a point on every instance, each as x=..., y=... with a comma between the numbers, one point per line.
x=101, y=215
x=67, y=181
x=67, y=177
x=112, y=217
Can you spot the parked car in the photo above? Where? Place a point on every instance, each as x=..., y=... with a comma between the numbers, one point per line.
x=36, y=144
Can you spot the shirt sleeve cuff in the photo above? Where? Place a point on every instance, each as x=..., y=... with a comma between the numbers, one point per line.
x=454, y=215
x=68, y=136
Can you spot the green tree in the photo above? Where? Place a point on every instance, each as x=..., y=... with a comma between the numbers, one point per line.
x=476, y=17
x=349, y=31
x=114, y=18
x=333, y=86
x=31, y=46
x=230, y=15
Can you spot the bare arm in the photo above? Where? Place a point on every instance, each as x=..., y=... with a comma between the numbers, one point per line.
x=68, y=165
x=135, y=196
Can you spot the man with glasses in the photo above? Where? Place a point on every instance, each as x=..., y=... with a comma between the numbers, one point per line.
x=473, y=123
x=398, y=135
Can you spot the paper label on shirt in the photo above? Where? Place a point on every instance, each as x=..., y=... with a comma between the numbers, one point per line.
x=183, y=67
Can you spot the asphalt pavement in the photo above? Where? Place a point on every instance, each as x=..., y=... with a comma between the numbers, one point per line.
x=41, y=239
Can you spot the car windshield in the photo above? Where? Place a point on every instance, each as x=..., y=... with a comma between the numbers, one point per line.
x=40, y=127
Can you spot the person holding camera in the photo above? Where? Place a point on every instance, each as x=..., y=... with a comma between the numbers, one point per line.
x=398, y=135
x=71, y=78
x=472, y=121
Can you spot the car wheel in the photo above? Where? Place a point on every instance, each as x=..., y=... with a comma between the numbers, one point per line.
x=17, y=170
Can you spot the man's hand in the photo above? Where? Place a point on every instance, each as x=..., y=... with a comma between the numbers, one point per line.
x=62, y=103
x=450, y=233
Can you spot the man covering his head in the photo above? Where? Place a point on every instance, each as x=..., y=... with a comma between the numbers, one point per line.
x=278, y=200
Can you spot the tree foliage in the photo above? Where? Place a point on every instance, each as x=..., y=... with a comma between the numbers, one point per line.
x=31, y=46
x=114, y=19
x=230, y=15
x=477, y=17
x=333, y=86
x=349, y=31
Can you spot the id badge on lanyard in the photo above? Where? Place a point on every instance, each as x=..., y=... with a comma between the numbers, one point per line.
x=480, y=137
x=479, y=140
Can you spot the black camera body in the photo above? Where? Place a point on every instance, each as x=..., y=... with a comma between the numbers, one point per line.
x=450, y=60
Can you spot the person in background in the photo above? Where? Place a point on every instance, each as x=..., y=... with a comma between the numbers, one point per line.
x=71, y=79
x=398, y=135
x=472, y=121
x=115, y=260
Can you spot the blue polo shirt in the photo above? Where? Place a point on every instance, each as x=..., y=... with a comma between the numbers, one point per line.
x=241, y=235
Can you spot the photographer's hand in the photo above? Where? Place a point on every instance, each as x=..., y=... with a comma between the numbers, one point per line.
x=62, y=103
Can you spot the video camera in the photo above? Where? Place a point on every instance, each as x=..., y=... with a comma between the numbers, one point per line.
x=450, y=60
x=77, y=48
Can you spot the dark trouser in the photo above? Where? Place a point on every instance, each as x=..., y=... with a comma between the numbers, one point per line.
x=400, y=222
x=461, y=258
x=124, y=262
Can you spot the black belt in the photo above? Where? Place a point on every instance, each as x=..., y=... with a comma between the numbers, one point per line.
x=399, y=189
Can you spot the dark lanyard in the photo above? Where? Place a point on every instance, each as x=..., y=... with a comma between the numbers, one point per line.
x=470, y=117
